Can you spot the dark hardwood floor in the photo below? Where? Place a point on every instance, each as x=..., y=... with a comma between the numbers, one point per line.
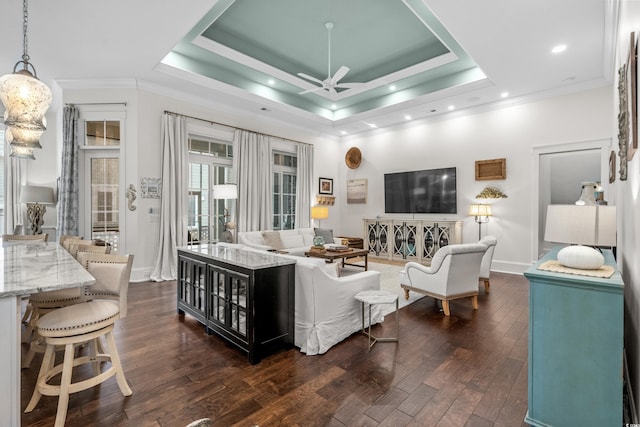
x=466, y=370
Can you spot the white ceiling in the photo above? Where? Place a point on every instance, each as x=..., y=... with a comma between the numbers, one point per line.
x=77, y=42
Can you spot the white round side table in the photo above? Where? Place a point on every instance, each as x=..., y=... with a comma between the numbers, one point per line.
x=378, y=297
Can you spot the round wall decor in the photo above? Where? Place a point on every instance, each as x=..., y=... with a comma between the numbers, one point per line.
x=353, y=157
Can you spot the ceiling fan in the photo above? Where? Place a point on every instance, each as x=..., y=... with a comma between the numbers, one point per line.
x=330, y=83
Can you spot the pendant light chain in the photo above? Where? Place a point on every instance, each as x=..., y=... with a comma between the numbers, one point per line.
x=25, y=41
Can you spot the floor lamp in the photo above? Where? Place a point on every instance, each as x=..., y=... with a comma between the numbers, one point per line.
x=36, y=198
x=226, y=192
x=482, y=213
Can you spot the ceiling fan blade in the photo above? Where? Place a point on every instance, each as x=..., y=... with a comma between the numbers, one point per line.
x=342, y=71
x=308, y=77
x=316, y=89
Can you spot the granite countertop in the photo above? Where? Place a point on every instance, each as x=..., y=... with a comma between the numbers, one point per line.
x=252, y=260
x=28, y=268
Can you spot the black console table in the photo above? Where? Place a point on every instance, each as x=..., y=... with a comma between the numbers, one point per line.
x=243, y=296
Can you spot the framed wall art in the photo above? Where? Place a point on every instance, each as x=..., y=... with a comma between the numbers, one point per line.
x=632, y=83
x=356, y=191
x=612, y=167
x=150, y=188
x=325, y=186
x=623, y=121
x=491, y=169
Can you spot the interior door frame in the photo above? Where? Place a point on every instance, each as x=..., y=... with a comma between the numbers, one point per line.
x=604, y=145
x=86, y=154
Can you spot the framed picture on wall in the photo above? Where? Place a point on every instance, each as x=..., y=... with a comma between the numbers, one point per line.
x=357, y=191
x=632, y=94
x=325, y=186
x=612, y=167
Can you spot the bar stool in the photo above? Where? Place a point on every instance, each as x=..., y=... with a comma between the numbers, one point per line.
x=81, y=323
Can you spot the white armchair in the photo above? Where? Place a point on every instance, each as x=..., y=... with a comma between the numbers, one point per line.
x=485, y=267
x=326, y=311
x=454, y=273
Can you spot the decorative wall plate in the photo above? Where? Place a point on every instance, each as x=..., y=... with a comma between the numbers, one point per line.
x=353, y=158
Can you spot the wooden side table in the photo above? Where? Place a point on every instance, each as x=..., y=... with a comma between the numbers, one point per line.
x=378, y=297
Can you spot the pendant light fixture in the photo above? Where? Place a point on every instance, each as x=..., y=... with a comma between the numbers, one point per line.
x=26, y=100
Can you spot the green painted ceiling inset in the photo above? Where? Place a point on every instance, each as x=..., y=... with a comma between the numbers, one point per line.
x=245, y=43
x=372, y=44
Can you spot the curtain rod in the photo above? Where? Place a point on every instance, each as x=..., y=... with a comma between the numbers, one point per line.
x=96, y=103
x=233, y=127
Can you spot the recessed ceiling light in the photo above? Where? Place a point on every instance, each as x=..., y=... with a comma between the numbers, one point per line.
x=392, y=87
x=371, y=125
x=504, y=94
x=407, y=117
x=334, y=106
x=343, y=132
x=451, y=107
x=559, y=48
x=271, y=82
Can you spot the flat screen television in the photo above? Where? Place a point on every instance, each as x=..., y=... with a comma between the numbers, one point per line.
x=427, y=191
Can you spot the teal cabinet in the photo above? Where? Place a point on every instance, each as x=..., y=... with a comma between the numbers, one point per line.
x=575, y=347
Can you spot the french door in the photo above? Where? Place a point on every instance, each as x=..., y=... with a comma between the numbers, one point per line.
x=103, y=197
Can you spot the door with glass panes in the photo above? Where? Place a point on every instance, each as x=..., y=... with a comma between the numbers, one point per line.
x=101, y=175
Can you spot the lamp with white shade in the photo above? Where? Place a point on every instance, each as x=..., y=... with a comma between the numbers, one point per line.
x=36, y=198
x=582, y=227
x=481, y=212
x=226, y=192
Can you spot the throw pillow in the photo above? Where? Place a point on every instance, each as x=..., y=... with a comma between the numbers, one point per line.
x=272, y=239
x=326, y=234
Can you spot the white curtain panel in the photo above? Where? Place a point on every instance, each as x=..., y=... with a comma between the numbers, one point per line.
x=305, y=185
x=68, y=198
x=173, y=207
x=252, y=163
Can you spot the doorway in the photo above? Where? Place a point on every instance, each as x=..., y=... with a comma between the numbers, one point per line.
x=559, y=172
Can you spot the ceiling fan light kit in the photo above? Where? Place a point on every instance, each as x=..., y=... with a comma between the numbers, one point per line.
x=331, y=83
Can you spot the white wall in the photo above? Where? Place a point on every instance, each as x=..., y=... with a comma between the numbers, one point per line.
x=628, y=203
x=510, y=132
x=144, y=149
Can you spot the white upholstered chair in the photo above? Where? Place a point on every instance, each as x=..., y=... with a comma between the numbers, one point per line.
x=485, y=267
x=81, y=323
x=453, y=274
x=326, y=311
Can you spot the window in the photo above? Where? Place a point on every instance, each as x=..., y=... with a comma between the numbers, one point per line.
x=210, y=162
x=284, y=190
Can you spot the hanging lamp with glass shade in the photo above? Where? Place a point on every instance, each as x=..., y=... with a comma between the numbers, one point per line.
x=26, y=100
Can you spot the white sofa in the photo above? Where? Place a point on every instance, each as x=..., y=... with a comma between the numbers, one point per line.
x=295, y=242
x=326, y=311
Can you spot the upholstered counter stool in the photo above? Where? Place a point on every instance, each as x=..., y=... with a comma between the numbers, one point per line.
x=82, y=323
x=378, y=297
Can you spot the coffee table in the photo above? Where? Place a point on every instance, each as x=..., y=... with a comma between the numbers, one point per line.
x=330, y=256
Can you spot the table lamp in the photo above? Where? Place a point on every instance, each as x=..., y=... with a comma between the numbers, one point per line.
x=319, y=212
x=581, y=226
x=36, y=198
